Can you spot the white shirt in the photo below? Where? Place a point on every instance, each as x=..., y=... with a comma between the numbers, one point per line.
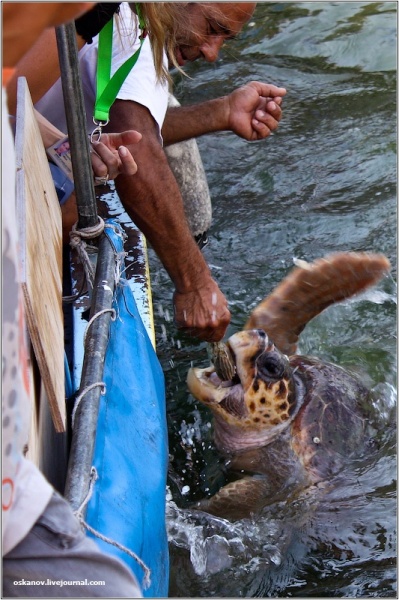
x=140, y=86
x=25, y=492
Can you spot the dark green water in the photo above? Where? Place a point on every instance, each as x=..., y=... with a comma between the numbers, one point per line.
x=326, y=181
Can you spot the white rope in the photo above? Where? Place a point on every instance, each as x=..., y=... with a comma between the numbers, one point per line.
x=93, y=479
x=83, y=393
x=94, y=317
x=80, y=247
x=88, y=233
x=77, y=237
x=79, y=514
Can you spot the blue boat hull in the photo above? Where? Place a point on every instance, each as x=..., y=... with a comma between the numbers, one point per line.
x=131, y=452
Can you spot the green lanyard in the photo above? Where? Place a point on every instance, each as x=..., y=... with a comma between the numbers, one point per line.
x=107, y=86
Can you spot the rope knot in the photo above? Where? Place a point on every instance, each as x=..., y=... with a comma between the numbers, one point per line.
x=88, y=233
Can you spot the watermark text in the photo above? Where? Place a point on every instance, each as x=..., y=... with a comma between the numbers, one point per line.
x=58, y=582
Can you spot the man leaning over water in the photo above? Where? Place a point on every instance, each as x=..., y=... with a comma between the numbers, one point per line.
x=152, y=197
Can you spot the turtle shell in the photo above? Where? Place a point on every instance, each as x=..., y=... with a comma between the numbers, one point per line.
x=330, y=425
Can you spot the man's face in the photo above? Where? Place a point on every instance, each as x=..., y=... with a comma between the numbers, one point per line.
x=205, y=26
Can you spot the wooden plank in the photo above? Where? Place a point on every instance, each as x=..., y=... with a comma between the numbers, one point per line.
x=40, y=214
x=33, y=449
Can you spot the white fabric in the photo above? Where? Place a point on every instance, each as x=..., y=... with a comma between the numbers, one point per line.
x=33, y=493
x=140, y=86
x=25, y=492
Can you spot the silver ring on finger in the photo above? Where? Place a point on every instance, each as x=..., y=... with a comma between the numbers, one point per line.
x=102, y=180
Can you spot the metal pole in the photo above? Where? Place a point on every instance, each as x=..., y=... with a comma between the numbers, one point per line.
x=84, y=432
x=76, y=121
x=85, y=423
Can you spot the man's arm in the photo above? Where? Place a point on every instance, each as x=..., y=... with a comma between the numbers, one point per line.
x=252, y=112
x=153, y=200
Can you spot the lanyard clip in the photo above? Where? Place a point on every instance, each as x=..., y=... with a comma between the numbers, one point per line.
x=97, y=131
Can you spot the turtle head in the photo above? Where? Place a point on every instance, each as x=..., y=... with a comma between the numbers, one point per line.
x=258, y=402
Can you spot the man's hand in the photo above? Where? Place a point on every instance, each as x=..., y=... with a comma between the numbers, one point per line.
x=202, y=313
x=254, y=110
x=111, y=156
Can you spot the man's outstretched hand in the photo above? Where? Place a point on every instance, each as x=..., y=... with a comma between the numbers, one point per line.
x=111, y=156
x=254, y=110
x=203, y=312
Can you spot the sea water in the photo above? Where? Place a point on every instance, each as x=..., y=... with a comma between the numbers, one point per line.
x=324, y=182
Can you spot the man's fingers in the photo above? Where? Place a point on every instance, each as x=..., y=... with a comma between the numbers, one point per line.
x=271, y=115
x=129, y=166
x=128, y=137
x=274, y=109
x=123, y=138
x=100, y=169
x=110, y=161
x=268, y=90
x=205, y=335
x=208, y=332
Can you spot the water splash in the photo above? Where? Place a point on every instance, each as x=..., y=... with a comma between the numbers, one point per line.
x=216, y=545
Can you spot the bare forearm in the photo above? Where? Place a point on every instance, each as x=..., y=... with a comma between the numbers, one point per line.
x=153, y=200
x=185, y=122
x=252, y=112
x=160, y=216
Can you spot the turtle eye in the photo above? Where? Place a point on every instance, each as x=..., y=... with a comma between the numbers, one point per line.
x=271, y=365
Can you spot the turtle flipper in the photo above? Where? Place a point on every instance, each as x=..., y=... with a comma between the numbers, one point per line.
x=311, y=288
x=237, y=500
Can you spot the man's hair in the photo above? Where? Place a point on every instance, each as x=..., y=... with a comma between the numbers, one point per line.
x=161, y=21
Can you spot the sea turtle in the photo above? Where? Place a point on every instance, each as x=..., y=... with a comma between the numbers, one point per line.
x=286, y=423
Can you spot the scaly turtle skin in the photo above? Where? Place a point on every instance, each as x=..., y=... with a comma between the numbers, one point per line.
x=286, y=422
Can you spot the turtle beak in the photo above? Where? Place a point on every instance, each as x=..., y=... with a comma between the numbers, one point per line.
x=243, y=347
x=206, y=386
